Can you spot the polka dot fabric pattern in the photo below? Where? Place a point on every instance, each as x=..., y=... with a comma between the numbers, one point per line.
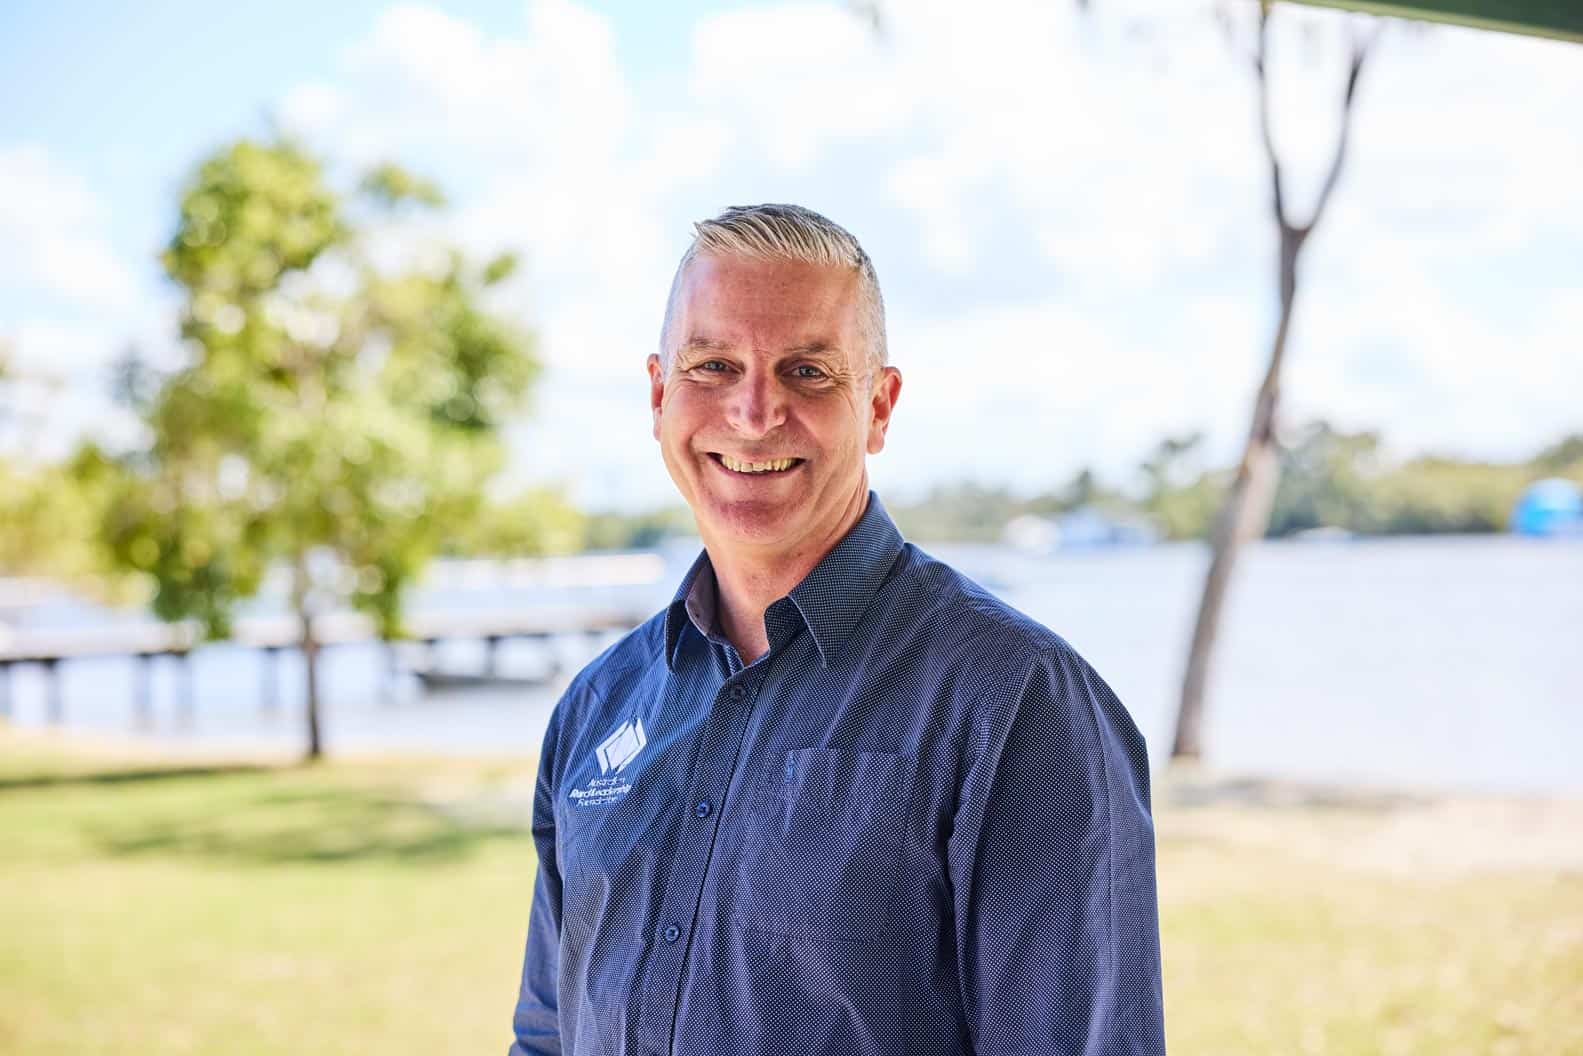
x=919, y=824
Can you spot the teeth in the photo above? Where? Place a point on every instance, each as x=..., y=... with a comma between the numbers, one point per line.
x=757, y=467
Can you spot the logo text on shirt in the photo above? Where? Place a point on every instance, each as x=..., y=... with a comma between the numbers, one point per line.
x=614, y=754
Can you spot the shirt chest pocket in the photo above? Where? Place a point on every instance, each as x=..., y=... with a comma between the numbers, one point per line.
x=823, y=843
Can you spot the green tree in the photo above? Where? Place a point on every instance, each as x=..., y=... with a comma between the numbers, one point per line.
x=615, y=530
x=1178, y=495
x=1326, y=480
x=1434, y=494
x=534, y=521
x=961, y=511
x=338, y=417
x=1562, y=458
x=43, y=504
x=1083, y=489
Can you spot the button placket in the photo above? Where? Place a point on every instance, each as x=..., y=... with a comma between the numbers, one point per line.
x=662, y=981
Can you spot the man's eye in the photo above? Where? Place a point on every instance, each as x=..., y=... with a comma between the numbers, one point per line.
x=809, y=372
x=711, y=366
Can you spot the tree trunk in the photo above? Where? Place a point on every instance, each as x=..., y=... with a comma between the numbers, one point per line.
x=1246, y=510
x=301, y=602
x=1243, y=515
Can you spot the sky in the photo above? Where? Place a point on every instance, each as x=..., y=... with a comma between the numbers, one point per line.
x=1069, y=213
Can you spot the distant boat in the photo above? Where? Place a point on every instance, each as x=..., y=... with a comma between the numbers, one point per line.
x=1549, y=507
x=1082, y=528
x=1324, y=533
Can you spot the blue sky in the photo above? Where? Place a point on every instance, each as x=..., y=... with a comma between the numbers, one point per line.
x=1069, y=216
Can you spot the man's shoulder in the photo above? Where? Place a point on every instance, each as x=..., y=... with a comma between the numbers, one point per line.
x=623, y=662
x=1000, y=657
x=933, y=599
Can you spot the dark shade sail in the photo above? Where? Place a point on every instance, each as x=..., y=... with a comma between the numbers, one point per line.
x=1562, y=19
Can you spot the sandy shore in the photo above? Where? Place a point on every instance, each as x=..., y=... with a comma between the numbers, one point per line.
x=1373, y=828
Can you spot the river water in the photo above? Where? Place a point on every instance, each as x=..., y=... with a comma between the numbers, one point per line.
x=1427, y=662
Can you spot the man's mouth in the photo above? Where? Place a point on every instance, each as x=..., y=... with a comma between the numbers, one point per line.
x=773, y=465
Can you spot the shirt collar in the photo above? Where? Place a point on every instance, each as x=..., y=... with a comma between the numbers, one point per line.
x=831, y=599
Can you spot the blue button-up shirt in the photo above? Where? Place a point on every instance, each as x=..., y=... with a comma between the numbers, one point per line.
x=918, y=824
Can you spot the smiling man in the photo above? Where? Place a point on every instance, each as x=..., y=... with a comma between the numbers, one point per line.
x=835, y=799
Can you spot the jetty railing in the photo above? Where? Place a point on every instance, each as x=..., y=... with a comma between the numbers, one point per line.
x=145, y=641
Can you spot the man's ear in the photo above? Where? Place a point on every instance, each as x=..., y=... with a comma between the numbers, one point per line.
x=882, y=404
x=656, y=390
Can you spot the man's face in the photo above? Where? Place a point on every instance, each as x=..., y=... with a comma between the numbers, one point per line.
x=767, y=410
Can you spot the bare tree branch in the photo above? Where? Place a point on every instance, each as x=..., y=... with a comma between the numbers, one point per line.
x=1264, y=115
x=1360, y=51
x=872, y=12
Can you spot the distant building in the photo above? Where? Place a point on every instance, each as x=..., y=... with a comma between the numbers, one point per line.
x=1549, y=507
x=1030, y=532
x=1085, y=526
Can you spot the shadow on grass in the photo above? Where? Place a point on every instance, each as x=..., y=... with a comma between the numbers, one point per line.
x=374, y=831
x=125, y=777
x=262, y=815
x=325, y=827
x=1270, y=793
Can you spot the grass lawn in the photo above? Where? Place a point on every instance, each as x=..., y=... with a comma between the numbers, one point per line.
x=365, y=907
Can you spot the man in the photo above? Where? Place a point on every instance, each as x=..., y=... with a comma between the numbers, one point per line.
x=835, y=799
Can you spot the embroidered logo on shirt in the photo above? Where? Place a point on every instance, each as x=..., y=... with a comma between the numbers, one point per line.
x=614, y=753
x=621, y=747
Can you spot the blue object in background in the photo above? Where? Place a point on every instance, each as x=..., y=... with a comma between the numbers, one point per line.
x=1549, y=507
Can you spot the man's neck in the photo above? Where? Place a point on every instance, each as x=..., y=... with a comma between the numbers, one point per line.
x=750, y=580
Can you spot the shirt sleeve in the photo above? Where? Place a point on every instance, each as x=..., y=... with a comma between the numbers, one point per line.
x=1051, y=861
x=536, y=1024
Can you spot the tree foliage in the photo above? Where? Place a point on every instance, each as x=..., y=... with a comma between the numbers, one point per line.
x=337, y=415
x=537, y=520
x=1329, y=478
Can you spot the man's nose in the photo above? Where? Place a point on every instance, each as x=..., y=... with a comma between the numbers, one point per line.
x=757, y=405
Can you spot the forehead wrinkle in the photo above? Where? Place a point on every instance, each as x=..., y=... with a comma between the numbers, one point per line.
x=814, y=348
x=701, y=343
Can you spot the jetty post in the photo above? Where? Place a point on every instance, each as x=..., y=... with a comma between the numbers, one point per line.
x=269, y=680
x=143, y=690
x=56, y=701
x=185, y=704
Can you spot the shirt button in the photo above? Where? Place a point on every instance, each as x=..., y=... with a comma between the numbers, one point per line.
x=739, y=691
x=702, y=809
x=672, y=933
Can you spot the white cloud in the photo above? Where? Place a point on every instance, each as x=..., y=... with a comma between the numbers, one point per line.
x=1033, y=111
x=52, y=226
x=794, y=76
x=1436, y=372
x=1115, y=158
x=62, y=388
x=1029, y=393
x=540, y=126
x=556, y=90
x=934, y=188
x=313, y=108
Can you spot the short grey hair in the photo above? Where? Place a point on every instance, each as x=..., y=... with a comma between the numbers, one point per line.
x=792, y=233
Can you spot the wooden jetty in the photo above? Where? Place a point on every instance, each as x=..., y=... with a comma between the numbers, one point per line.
x=145, y=641
x=438, y=681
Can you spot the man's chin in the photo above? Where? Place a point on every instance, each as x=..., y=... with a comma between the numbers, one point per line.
x=749, y=522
